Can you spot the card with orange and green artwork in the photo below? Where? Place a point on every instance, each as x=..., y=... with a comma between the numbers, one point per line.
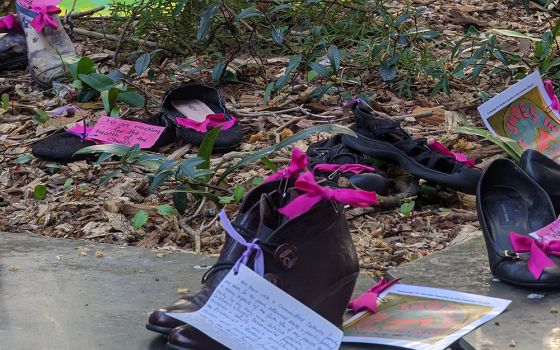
x=522, y=113
x=422, y=318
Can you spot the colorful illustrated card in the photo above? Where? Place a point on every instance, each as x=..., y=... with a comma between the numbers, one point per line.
x=522, y=113
x=422, y=318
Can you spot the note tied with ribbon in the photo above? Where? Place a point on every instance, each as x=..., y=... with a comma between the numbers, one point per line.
x=247, y=312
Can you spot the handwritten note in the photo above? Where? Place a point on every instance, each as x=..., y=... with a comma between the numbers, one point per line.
x=248, y=312
x=549, y=233
x=126, y=132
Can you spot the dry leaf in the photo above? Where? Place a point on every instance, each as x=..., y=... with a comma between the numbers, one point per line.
x=183, y=291
x=284, y=134
x=99, y=254
x=256, y=137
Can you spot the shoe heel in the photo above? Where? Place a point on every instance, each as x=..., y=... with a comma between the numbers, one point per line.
x=333, y=305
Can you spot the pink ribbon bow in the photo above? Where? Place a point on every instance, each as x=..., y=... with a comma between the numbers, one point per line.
x=252, y=247
x=8, y=22
x=44, y=17
x=297, y=165
x=539, y=252
x=315, y=193
x=555, y=105
x=344, y=168
x=211, y=121
x=368, y=300
x=460, y=157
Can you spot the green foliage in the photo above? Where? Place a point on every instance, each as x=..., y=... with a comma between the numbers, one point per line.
x=511, y=147
x=40, y=191
x=4, y=104
x=25, y=158
x=407, y=208
x=113, y=87
x=336, y=40
x=139, y=219
x=40, y=116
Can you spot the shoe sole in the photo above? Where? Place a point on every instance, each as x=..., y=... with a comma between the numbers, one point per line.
x=158, y=329
x=13, y=63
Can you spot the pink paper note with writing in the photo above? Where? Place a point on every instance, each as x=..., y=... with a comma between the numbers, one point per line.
x=126, y=132
x=549, y=233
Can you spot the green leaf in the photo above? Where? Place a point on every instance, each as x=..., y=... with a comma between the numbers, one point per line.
x=117, y=150
x=205, y=149
x=167, y=210
x=333, y=53
x=24, y=159
x=257, y=181
x=388, y=71
x=40, y=192
x=83, y=66
x=68, y=182
x=99, y=82
x=142, y=63
x=205, y=19
x=40, y=116
x=5, y=101
x=311, y=75
x=278, y=36
x=218, y=70
x=511, y=147
x=248, y=12
x=267, y=92
x=109, y=99
x=131, y=98
x=180, y=201
x=267, y=163
x=407, y=208
x=303, y=134
x=139, y=219
x=293, y=63
x=108, y=177
x=514, y=34
x=319, y=68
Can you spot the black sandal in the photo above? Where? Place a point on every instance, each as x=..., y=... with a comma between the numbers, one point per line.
x=385, y=139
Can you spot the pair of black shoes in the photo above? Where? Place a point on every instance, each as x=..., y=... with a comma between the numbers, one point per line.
x=188, y=113
x=384, y=139
x=514, y=201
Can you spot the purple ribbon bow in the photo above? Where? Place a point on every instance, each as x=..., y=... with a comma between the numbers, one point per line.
x=344, y=168
x=211, y=121
x=368, y=300
x=539, y=252
x=253, y=246
x=44, y=17
x=8, y=22
x=315, y=193
x=297, y=165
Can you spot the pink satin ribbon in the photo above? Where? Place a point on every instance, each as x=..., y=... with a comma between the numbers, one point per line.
x=211, y=121
x=315, y=193
x=555, y=105
x=297, y=165
x=368, y=300
x=251, y=247
x=8, y=22
x=44, y=17
x=539, y=252
x=460, y=157
x=343, y=168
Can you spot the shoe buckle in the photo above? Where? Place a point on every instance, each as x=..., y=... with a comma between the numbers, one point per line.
x=511, y=255
x=333, y=174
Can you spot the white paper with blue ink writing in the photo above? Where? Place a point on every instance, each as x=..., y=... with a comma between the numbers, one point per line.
x=248, y=312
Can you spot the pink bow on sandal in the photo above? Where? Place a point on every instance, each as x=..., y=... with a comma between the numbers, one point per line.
x=211, y=121
x=8, y=22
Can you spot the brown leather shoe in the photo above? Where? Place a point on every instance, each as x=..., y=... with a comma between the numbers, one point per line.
x=310, y=257
x=247, y=217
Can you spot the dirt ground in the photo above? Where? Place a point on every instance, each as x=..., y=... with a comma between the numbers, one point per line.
x=384, y=237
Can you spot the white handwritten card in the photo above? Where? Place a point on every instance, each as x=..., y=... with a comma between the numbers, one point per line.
x=248, y=312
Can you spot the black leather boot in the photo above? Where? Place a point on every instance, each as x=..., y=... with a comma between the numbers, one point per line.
x=545, y=172
x=248, y=217
x=311, y=257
